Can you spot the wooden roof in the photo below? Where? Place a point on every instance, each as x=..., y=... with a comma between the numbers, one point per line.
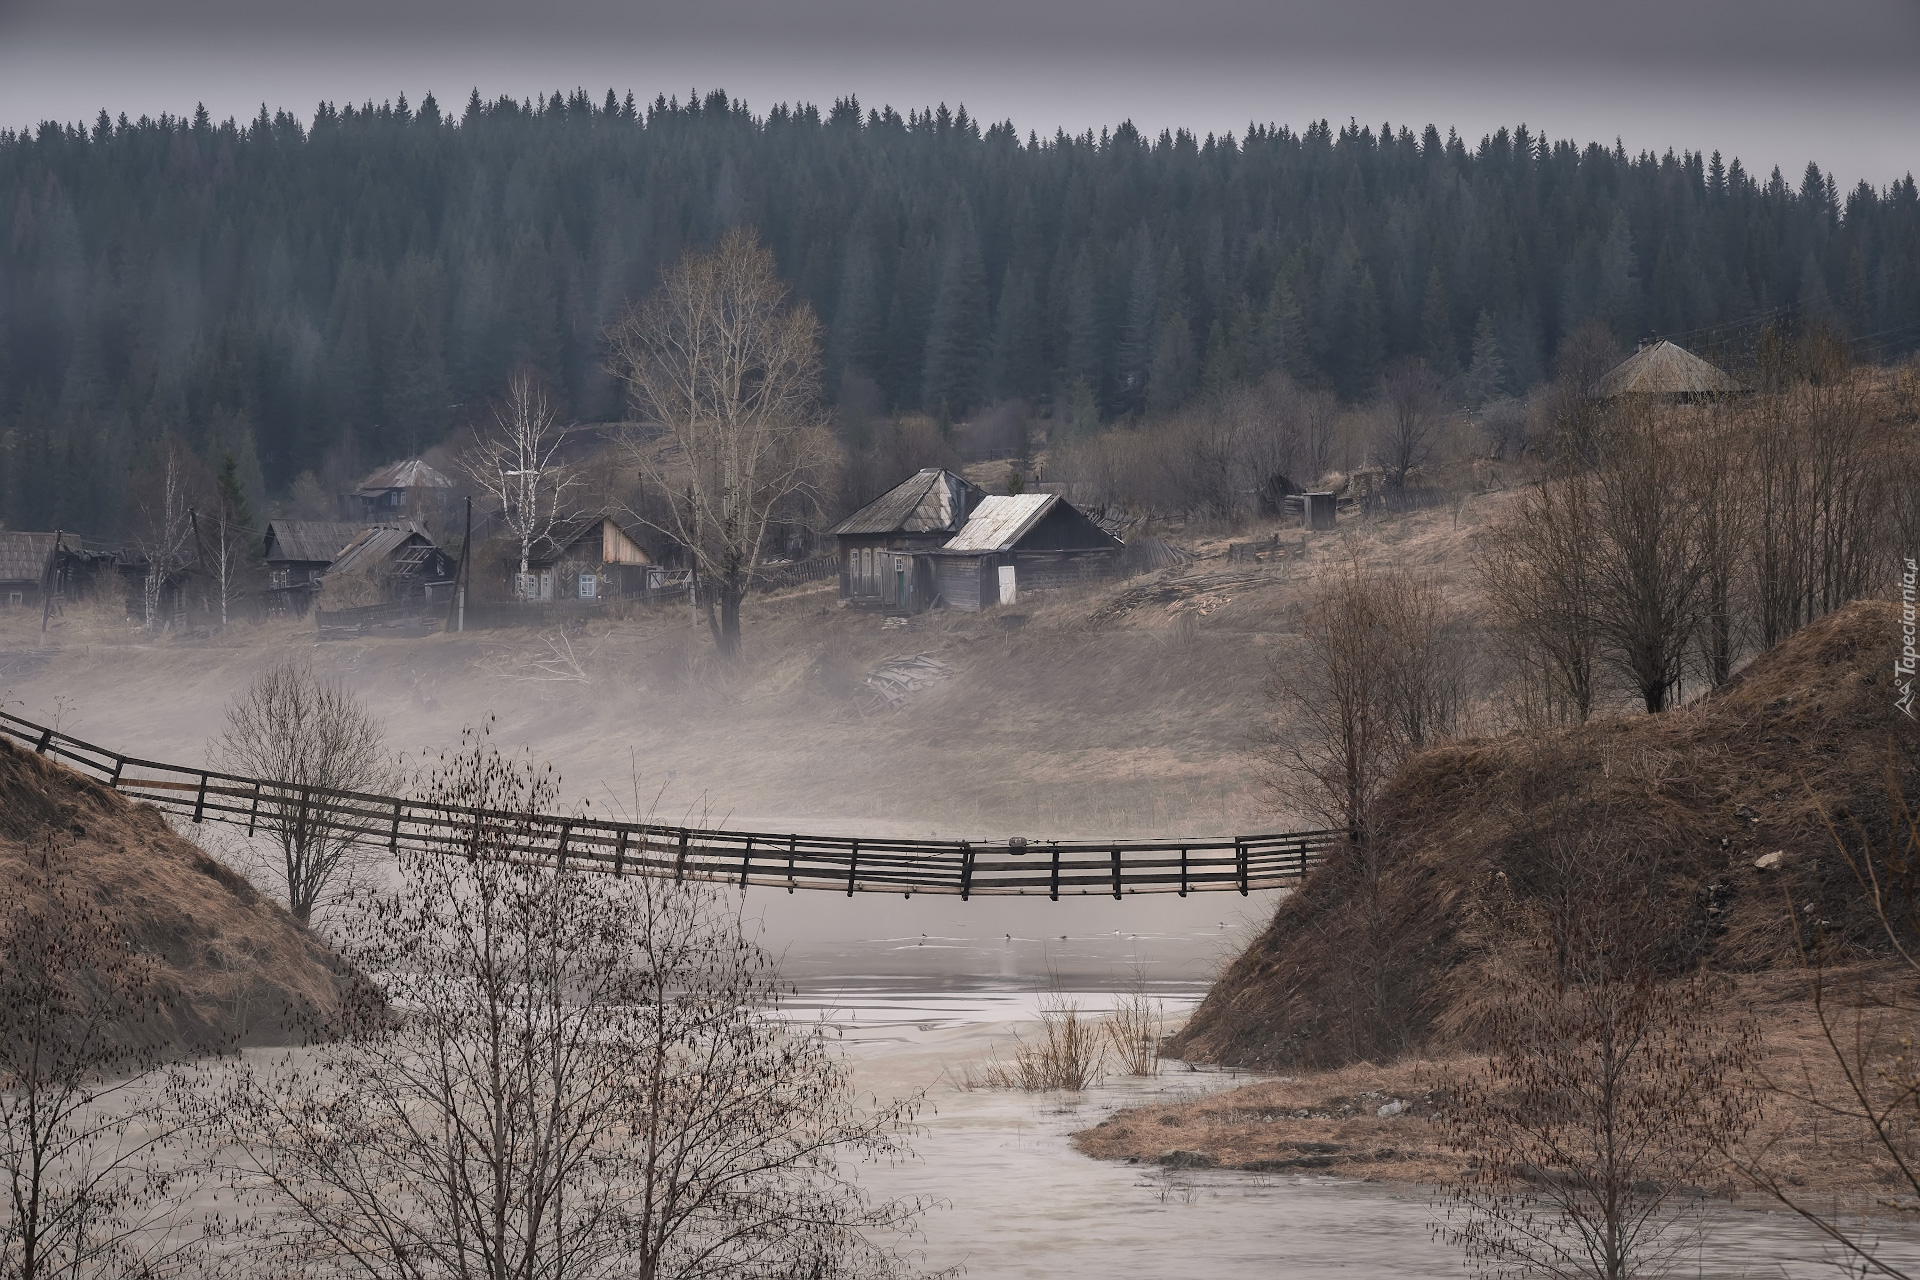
x=932, y=500
x=1662, y=369
x=408, y=473
x=23, y=556
x=310, y=541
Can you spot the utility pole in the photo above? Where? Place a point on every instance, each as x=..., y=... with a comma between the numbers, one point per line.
x=457, y=606
x=51, y=584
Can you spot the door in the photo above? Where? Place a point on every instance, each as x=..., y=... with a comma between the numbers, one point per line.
x=900, y=581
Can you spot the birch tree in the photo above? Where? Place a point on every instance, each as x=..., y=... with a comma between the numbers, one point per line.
x=724, y=375
x=164, y=497
x=516, y=460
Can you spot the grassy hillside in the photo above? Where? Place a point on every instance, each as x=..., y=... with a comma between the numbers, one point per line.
x=1379, y=956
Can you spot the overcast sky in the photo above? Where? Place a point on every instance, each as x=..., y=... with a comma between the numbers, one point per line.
x=1770, y=81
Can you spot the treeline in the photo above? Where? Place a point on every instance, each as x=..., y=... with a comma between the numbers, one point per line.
x=278, y=292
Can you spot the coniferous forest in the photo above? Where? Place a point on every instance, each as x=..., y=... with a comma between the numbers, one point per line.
x=275, y=290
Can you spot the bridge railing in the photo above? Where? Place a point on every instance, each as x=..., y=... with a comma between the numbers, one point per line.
x=851, y=864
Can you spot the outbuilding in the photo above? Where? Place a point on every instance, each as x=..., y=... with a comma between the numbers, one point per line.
x=1020, y=542
x=401, y=561
x=1663, y=371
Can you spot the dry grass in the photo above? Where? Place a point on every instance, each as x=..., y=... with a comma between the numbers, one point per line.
x=234, y=966
x=1133, y=1032
x=1328, y=1121
x=1067, y=1054
x=1707, y=789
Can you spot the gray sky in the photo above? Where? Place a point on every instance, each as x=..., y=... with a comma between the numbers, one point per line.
x=1771, y=81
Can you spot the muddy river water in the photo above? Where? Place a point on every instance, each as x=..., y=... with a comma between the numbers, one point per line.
x=1017, y=1201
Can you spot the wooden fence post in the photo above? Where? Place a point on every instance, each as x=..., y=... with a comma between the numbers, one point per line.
x=1053, y=885
x=1240, y=860
x=566, y=829
x=620, y=855
x=200, y=799
x=253, y=810
x=1116, y=875
x=393, y=836
x=1183, y=871
x=792, y=847
x=680, y=862
x=966, y=870
x=746, y=862
x=853, y=866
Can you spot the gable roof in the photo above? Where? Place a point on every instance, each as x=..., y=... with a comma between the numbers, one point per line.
x=1663, y=369
x=312, y=541
x=374, y=545
x=566, y=533
x=408, y=473
x=23, y=556
x=1001, y=520
x=932, y=500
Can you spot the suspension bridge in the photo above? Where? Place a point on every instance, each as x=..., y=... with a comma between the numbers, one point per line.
x=850, y=864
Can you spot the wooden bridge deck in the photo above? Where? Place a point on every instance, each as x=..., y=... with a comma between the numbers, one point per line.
x=848, y=864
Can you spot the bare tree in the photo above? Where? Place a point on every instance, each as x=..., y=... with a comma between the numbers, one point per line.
x=303, y=734
x=1536, y=567
x=578, y=1076
x=85, y=1107
x=164, y=495
x=1411, y=409
x=1380, y=674
x=1871, y=1098
x=1609, y=1090
x=1648, y=569
x=516, y=461
x=1821, y=486
x=725, y=374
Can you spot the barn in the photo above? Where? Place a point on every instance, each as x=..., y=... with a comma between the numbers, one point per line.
x=298, y=553
x=883, y=545
x=1020, y=542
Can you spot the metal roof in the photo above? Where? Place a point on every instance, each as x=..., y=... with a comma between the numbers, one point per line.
x=932, y=500
x=1001, y=520
x=310, y=541
x=375, y=545
x=1662, y=369
x=409, y=473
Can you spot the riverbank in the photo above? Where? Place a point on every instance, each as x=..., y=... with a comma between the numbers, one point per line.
x=1377, y=1123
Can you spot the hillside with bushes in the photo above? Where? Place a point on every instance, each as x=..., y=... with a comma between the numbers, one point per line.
x=1738, y=806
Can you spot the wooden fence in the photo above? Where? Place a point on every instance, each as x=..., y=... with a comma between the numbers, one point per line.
x=791, y=861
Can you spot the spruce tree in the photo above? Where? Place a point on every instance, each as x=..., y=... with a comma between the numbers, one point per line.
x=1486, y=376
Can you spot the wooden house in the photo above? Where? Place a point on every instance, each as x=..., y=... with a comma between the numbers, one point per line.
x=298, y=555
x=404, y=490
x=400, y=560
x=592, y=557
x=1020, y=542
x=26, y=559
x=883, y=545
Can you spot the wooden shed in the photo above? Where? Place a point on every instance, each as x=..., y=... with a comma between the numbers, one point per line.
x=1021, y=542
x=408, y=489
x=401, y=560
x=882, y=545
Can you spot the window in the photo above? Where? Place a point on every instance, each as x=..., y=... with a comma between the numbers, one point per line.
x=589, y=586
